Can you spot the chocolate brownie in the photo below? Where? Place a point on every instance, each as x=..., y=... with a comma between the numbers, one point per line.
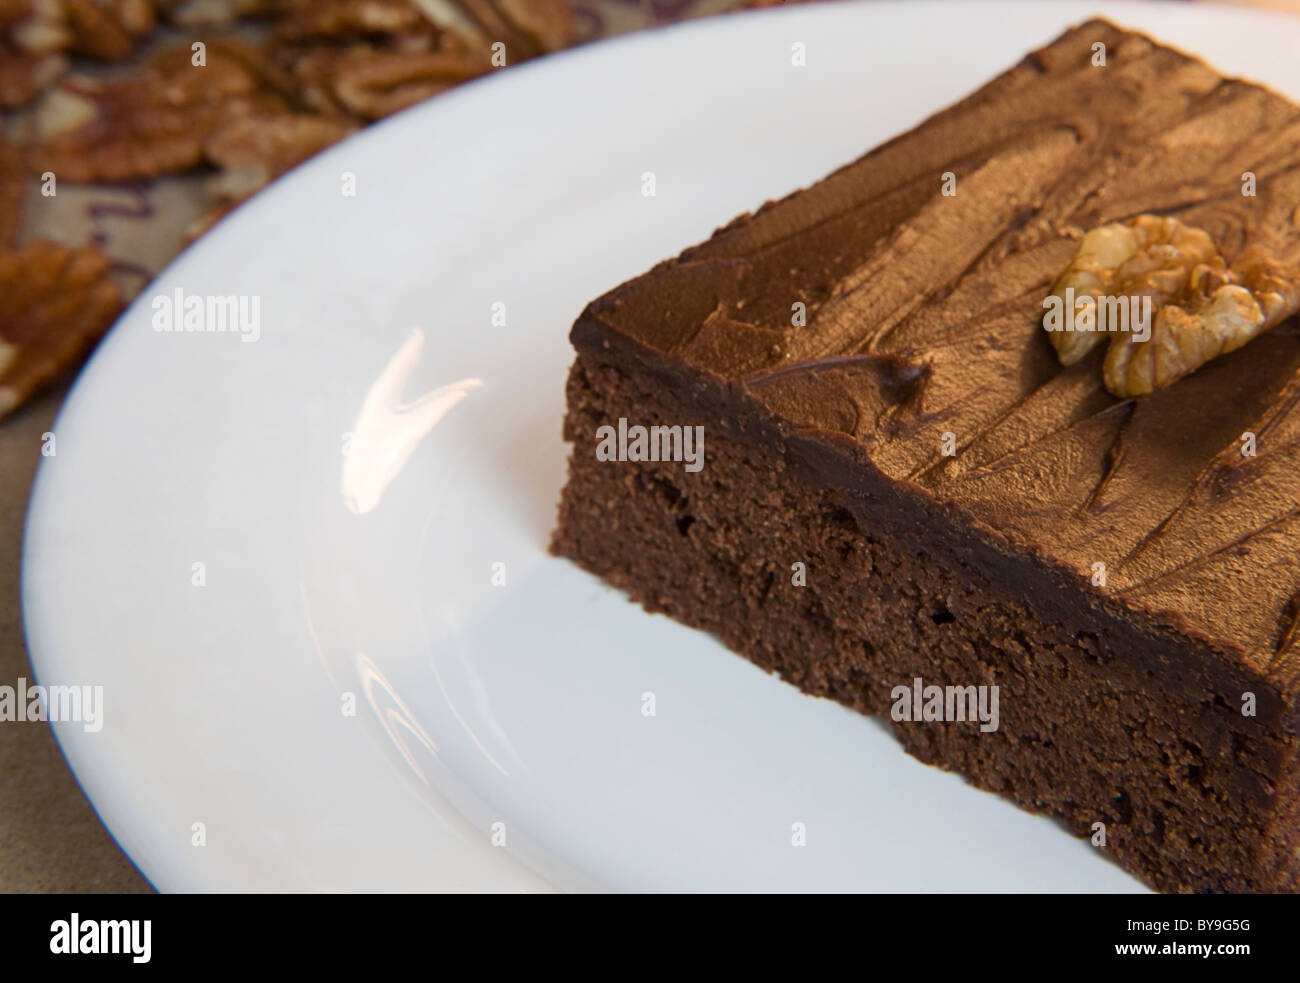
x=904, y=492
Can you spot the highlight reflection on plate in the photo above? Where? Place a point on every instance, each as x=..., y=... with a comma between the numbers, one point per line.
x=388, y=430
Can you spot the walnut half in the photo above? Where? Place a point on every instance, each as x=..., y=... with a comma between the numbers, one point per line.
x=1185, y=338
x=55, y=303
x=1201, y=307
x=1145, y=256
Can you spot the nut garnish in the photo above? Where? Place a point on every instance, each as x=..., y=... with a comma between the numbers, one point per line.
x=1143, y=256
x=55, y=303
x=1185, y=338
x=1203, y=308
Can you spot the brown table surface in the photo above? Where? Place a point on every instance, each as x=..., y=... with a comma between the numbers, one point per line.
x=50, y=838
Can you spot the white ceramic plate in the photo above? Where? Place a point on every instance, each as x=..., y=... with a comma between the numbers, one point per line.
x=371, y=574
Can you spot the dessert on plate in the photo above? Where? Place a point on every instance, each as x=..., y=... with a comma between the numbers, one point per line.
x=995, y=433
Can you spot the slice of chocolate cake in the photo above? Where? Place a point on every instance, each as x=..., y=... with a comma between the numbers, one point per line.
x=1076, y=584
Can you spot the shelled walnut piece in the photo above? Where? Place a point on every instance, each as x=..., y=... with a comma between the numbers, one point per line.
x=23, y=77
x=106, y=30
x=1144, y=256
x=145, y=125
x=526, y=28
x=1259, y=294
x=370, y=58
x=1202, y=307
x=33, y=42
x=219, y=13
x=55, y=303
x=254, y=150
x=373, y=86
x=353, y=20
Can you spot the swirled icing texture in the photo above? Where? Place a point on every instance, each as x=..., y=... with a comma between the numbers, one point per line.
x=924, y=318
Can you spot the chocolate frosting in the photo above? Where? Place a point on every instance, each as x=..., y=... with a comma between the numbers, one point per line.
x=924, y=318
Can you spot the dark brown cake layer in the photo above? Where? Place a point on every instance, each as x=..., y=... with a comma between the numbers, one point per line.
x=1098, y=721
x=1122, y=700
